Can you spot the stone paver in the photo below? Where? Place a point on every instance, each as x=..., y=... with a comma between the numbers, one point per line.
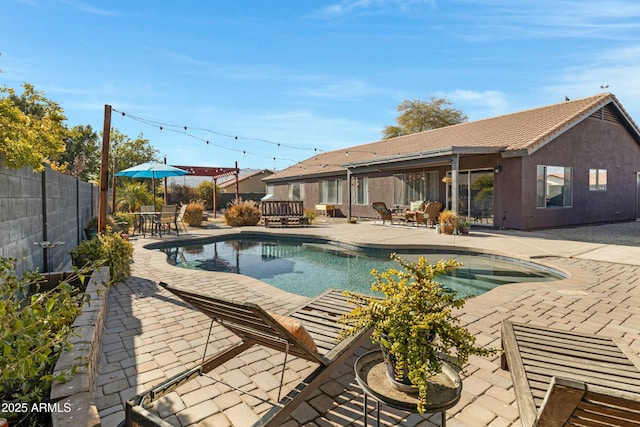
x=150, y=335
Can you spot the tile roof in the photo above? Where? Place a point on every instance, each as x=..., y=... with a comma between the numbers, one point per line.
x=519, y=133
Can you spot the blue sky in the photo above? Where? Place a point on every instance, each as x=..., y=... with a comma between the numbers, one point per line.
x=292, y=77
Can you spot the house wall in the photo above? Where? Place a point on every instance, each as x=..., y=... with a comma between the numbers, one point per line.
x=593, y=143
x=249, y=184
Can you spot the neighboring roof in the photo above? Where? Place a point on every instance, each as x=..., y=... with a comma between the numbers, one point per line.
x=514, y=134
x=243, y=175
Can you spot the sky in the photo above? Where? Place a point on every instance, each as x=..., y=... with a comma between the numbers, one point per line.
x=267, y=84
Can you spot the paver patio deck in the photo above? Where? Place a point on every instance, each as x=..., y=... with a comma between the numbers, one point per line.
x=150, y=335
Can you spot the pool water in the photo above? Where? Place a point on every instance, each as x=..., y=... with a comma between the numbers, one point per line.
x=310, y=268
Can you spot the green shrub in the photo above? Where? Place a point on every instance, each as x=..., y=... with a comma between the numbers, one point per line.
x=35, y=329
x=87, y=252
x=310, y=214
x=118, y=253
x=193, y=214
x=241, y=213
x=123, y=222
x=107, y=248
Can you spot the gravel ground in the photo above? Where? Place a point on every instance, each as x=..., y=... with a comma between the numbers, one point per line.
x=622, y=233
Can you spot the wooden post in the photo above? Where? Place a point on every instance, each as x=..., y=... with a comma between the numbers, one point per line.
x=166, y=198
x=113, y=184
x=237, y=185
x=104, y=170
x=215, y=198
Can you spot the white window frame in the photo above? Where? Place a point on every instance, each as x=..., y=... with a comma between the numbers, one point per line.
x=425, y=187
x=598, y=184
x=300, y=187
x=330, y=191
x=360, y=190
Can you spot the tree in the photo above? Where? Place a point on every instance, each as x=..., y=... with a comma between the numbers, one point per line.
x=82, y=152
x=419, y=116
x=31, y=128
x=129, y=152
x=205, y=193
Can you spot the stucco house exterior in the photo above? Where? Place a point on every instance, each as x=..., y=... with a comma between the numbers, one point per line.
x=249, y=181
x=575, y=162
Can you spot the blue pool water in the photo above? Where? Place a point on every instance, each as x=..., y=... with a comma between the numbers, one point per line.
x=310, y=268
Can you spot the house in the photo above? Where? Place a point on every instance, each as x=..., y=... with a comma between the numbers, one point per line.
x=575, y=162
x=249, y=181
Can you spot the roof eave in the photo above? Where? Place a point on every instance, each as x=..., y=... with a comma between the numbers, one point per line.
x=441, y=152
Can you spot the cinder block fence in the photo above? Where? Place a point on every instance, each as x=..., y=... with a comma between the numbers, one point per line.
x=42, y=206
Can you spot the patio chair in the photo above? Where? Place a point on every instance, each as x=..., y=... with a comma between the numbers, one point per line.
x=180, y=218
x=383, y=212
x=168, y=216
x=429, y=216
x=564, y=378
x=253, y=325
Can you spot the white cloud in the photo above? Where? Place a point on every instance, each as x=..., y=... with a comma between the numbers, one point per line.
x=478, y=104
x=335, y=90
x=350, y=7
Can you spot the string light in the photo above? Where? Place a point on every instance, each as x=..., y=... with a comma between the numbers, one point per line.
x=184, y=130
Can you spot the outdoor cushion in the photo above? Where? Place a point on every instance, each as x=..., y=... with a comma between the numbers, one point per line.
x=297, y=329
x=417, y=206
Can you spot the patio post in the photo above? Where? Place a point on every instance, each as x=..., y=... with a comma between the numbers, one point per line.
x=455, y=160
x=349, y=195
x=104, y=170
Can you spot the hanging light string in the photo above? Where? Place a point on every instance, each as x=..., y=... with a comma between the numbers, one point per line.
x=184, y=130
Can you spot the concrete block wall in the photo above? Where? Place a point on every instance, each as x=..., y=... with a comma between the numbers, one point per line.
x=39, y=206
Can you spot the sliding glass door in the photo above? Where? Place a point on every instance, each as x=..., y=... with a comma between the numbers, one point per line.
x=475, y=195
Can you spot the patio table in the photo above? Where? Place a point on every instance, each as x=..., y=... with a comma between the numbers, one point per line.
x=144, y=220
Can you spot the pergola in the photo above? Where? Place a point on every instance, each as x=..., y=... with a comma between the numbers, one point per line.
x=214, y=173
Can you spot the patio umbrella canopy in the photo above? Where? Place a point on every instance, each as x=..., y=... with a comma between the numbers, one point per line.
x=152, y=170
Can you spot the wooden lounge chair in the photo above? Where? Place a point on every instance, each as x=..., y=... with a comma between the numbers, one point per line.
x=383, y=212
x=568, y=378
x=256, y=326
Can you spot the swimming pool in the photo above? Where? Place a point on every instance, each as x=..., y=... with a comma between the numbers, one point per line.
x=310, y=267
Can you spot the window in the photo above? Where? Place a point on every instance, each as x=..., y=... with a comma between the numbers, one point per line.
x=554, y=187
x=331, y=191
x=296, y=191
x=270, y=188
x=360, y=190
x=410, y=187
x=597, y=180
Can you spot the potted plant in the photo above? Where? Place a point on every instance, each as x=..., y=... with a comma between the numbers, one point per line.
x=448, y=221
x=414, y=322
x=464, y=224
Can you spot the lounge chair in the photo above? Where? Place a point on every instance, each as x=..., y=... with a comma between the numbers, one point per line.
x=568, y=378
x=383, y=212
x=256, y=326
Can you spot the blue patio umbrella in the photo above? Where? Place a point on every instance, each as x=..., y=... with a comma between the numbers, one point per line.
x=152, y=170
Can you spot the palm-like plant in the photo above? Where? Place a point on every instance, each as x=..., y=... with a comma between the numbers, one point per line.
x=131, y=195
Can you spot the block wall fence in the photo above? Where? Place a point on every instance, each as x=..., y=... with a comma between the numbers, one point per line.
x=42, y=206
